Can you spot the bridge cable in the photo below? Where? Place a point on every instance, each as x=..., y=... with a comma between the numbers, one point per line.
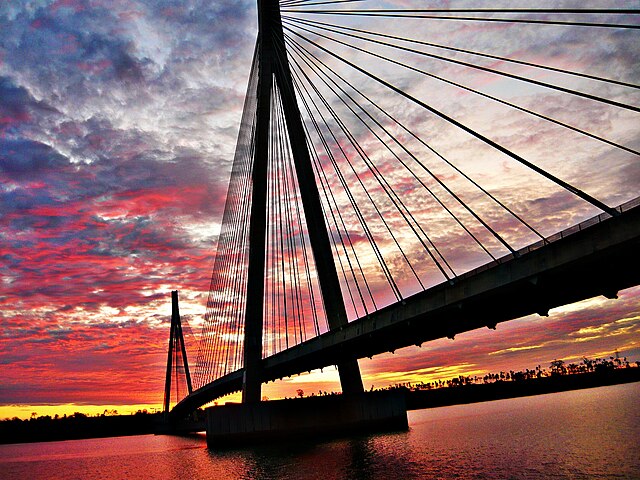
x=278, y=52
x=233, y=258
x=331, y=200
x=344, y=184
x=302, y=237
x=409, y=14
x=467, y=129
x=467, y=64
x=290, y=190
x=498, y=237
x=590, y=11
x=414, y=175
x=426, y=247
x=280, y=245
x=275, y=262
x=329, y=26
x=269, y=329
x=356, y=209
x=429, y=190
x=228, y=289
x=236, y=276
x=203, y=363
x=307, y=3
x=504, y=102
x=367, y=161
x=310, y=57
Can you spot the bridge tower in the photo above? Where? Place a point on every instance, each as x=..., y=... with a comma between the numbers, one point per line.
x=274, y=71
x=176, y=349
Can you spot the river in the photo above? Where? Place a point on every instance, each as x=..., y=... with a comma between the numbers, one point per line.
x=583, y=434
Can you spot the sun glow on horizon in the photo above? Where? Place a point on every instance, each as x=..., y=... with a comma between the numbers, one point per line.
x=27, y=411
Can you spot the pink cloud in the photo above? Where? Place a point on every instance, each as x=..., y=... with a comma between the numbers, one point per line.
x=37, y=23
x=75, y=5
x=14, y=119
x=70, y=44
x=130, y=15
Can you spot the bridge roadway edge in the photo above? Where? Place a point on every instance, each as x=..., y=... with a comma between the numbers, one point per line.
x=599, y=260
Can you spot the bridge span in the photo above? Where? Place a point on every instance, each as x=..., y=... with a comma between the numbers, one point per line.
x=597, y=257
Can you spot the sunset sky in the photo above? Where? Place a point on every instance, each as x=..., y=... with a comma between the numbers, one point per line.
x=118, y=124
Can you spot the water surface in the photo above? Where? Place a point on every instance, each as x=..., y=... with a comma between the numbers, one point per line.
x=583, y=434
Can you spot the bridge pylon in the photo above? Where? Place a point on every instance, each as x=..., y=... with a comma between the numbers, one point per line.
x=176, y=349
x=274, y=71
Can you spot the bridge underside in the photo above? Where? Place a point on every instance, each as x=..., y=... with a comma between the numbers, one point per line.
x=600, y=260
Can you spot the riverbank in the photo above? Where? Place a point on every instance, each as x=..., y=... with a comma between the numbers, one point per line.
x=77, y=426
x=499, y=390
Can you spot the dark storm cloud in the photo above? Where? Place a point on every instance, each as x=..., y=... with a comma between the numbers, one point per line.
x=14, y=103
x=19, y=158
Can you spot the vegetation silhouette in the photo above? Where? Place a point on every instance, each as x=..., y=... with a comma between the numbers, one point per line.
x=510, y=384
x=76, y=426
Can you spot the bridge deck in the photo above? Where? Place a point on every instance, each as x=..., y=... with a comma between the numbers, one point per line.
x=598, y=257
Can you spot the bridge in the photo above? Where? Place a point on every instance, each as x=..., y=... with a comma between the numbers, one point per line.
x=351, y=230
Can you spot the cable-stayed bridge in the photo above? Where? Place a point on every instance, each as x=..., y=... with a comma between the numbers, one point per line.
x=406, y=174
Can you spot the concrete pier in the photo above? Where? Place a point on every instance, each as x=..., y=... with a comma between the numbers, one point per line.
x=336, y=415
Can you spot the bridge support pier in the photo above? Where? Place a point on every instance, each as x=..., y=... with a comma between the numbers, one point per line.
x=305, y=418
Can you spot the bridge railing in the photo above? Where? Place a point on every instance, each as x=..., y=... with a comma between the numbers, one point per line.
x=553, y=238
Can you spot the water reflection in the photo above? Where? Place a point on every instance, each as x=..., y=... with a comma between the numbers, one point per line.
x=362, y=455
x=359, y=458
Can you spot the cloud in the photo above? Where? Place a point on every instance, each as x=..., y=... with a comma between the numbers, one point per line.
x=108, y=188
x=19, y=158
x=118, y=124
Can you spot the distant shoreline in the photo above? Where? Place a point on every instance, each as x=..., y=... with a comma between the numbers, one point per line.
x=77, y=427
x=500, y=390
